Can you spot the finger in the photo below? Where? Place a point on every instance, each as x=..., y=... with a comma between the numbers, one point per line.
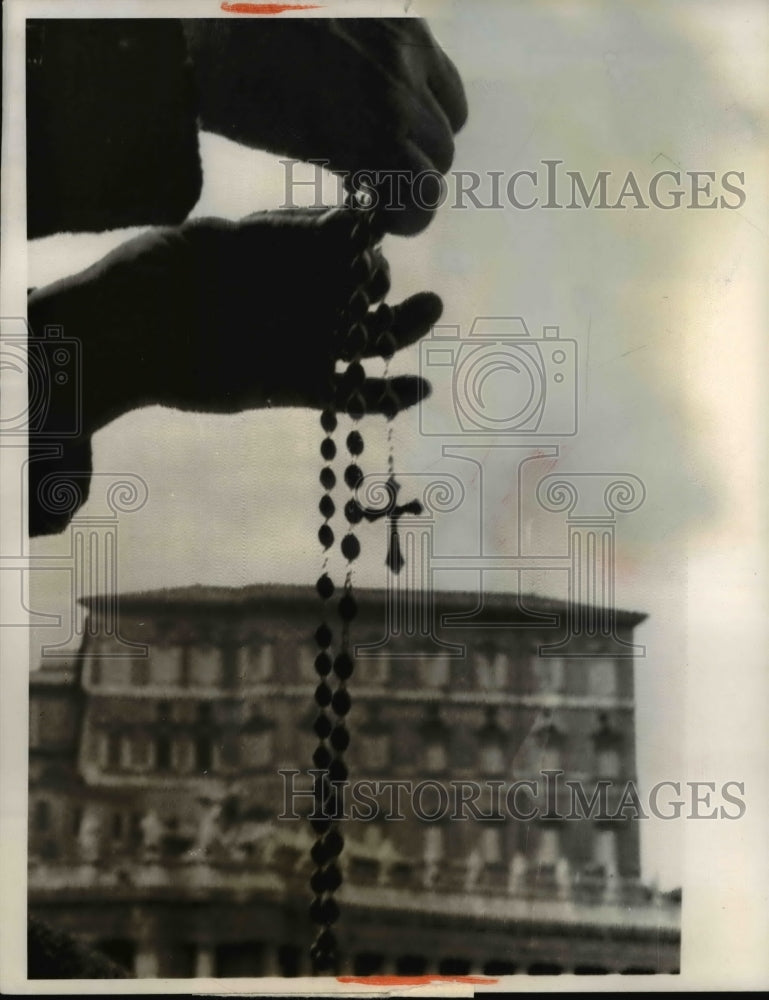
x=409, y=192
x=412, y=319
x=446, y=83
x=379, y=283
x=431, y=131
x=390, y=396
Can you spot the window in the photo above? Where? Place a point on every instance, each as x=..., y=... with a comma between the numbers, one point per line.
x=205, y=666
x=549, y=672
x=118, y=826
x=375, y=751
x=140, y=672
x=374, y=671
x=162, y=753
x=602, y=677
x=607, y=764
x=550, y=758
x=140, y=752
x=492, y=759
x=257, y=749
x=436, y=758
x=109, y=751
x=492, y=670
x=182, y=754
x=434, y=671
x=256, y=662
x=433, y=844
x=204, y=754
x=227, y=755
x=166, y=665
x=605, y=850
x=549, y=846
x=306, y=664
x=491, y=845
x=95, y=671
x=42, y=815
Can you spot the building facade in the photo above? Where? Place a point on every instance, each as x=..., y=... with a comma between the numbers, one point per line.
x=169, y=788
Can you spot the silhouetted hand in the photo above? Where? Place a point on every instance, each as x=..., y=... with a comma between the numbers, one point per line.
x=368, y=94
x=223, y=316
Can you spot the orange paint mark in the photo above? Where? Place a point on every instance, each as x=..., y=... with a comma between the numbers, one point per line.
x=416, y=980
x=267, y=8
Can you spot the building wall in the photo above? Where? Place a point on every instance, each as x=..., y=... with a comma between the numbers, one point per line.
x=174, y=746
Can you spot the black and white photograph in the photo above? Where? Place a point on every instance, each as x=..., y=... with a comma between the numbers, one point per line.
x=383, y=541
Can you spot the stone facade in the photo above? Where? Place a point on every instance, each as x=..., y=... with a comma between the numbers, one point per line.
x=163, y=760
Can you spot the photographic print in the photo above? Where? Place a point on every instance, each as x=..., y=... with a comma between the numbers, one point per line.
x=382, y=547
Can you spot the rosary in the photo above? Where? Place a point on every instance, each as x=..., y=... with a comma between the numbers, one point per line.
x=357, y=329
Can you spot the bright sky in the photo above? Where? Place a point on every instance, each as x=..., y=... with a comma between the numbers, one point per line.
x=665, y=306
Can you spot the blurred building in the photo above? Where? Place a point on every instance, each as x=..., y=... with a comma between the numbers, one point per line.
x=155, y=792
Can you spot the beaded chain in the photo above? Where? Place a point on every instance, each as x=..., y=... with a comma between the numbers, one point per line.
x=356, y=330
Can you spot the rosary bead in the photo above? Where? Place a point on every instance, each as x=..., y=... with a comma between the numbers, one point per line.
x=328, y=421
x=326, y=941
x=333, y=843
x=327, y=478
x=322, y=757
x=323, y=636
x=383, y=319
x=340, y=739
x=319, y=851
x=341, y=702
x=325, y=586
x=356, y=406
x=337, y=769
x=354, y=443
x=353, y=511
x=357, y=340
x=390, y=404
x=324, y=911
x=343, y=666
x=323, y=695
x=322, y=959
x=318, y=882
x=325, y=536
x=333, y=877
x=353, y=476
x=386, y=345
x=322, y=726
x=326, y=506
x=327, y=449
x=353, y=378
x=350, y=547
x=348, y=608
x=323, y=664
x=358, y=305
x=362, y=267
x=320, y=824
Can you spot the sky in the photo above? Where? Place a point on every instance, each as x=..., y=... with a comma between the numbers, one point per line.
x=665, y=308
